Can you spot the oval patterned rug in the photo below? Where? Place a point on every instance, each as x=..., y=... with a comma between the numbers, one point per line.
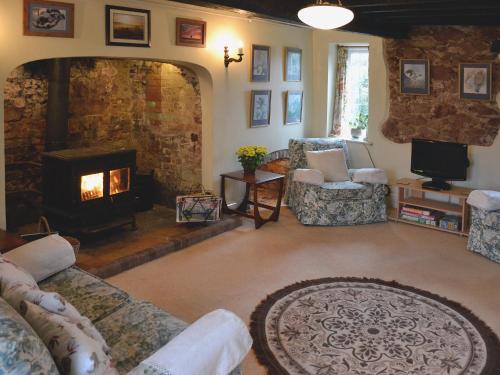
x=367, y=327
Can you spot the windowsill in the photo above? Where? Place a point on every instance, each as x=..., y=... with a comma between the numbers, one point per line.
x=355, y=140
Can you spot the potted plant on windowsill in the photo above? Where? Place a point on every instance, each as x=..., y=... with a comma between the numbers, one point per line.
x=358, y=125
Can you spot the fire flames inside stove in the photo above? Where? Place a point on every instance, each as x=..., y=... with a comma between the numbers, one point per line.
x=119, y=181
x=92, y=186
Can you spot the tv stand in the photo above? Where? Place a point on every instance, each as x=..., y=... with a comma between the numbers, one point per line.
x=436, y=184
x=413, y=193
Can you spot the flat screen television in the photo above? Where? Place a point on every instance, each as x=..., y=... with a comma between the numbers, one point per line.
x=441, y=161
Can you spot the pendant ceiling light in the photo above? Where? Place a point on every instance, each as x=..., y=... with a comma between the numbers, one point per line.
x=326, y=16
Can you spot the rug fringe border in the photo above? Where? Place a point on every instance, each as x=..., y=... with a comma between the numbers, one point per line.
x=266, y=358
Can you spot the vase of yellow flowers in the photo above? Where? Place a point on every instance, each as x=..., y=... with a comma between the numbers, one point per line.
x=251, y=157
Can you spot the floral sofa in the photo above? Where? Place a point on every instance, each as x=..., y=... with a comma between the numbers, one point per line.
x=133, y=329
x=331, y=203
x=484, y=235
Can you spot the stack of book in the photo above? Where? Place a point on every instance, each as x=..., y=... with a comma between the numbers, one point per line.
x=420, y=215
x=450, y=222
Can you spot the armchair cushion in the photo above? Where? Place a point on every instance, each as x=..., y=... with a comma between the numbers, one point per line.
x=309, y=176
x=369, y=175
x=331, y=163
x=345, y=190
x=486, y=200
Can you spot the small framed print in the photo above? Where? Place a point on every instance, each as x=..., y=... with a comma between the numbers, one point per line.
x=191, y=33
x=48, y=18
x=293, y=64
x=475, y=81
x=415, y=77
x=294, y=100
x=261, y=63
x=260, y=108
x=128, y=27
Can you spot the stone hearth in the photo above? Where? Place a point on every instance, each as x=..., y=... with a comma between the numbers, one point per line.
x=157, y=235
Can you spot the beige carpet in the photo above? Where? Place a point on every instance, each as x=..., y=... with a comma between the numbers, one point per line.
x=239, y=268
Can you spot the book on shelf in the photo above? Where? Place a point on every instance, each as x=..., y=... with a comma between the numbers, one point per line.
x=416, y=211
x=419, y=219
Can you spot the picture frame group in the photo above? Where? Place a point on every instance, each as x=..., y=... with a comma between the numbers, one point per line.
x=260, y=107
x=474, y=79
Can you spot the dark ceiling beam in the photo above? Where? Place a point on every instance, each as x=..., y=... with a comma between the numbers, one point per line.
x=376, y=29
x=382, y=4
x=385, y=18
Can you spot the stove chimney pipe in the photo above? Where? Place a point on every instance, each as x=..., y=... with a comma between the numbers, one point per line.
x=57, y=104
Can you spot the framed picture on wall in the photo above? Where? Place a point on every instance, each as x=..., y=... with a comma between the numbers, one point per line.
x=261, y=63
x=260, y=108
x=128, y=27
x=475, y=81
x=48, y=18
x=293, y=64
x=293, y=114
x=415, y=77
x=191, y=33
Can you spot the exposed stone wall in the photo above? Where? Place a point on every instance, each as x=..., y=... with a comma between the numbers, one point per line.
x=442, y=115
x=151, y=106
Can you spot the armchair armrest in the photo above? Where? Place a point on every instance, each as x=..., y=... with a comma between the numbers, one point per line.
x=486, y=200
x=369, y=175
x=309, y=176
x=213, y=345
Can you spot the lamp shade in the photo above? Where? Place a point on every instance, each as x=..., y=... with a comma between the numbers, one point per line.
x=325, y=16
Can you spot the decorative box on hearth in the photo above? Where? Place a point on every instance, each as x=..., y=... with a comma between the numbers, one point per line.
x=89, y=190
x=198, y=208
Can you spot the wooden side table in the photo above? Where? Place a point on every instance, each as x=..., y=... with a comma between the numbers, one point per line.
x=253, y=181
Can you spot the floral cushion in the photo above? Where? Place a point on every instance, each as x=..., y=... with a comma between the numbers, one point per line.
x=136, y=331
x=22, y=352
x=10, y=273
x=344, y=190
x=91, y=296
x=17, y=293
x=74, y=352
x=319, y=205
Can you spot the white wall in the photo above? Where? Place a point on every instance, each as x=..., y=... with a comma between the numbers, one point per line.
x=394, y=158
x=226, y=93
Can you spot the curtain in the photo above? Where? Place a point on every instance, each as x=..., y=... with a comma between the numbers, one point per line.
x=340, y=83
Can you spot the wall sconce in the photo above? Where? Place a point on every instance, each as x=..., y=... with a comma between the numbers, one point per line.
x=228, y=60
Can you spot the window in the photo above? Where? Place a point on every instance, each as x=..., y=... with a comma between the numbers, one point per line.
x=350, y=118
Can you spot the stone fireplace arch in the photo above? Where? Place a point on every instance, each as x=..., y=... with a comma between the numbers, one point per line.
x=165, y=115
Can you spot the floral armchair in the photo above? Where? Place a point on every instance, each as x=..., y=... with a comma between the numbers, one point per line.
x=332, y=203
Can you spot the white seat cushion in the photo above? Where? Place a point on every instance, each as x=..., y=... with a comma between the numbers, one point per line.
x=331, y=163
x=487, y=200
x=309, y=176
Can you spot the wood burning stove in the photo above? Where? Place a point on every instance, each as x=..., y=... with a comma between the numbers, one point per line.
x=89, y=190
